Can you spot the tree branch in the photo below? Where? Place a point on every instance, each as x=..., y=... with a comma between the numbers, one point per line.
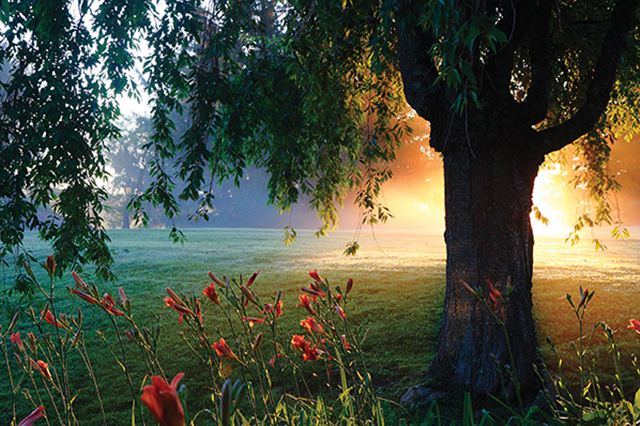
x=599, y=90
x=536, y=104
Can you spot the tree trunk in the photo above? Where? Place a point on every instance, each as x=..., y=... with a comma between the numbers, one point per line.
x=488, y=235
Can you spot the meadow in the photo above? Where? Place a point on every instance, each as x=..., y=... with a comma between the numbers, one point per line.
x=399, y=280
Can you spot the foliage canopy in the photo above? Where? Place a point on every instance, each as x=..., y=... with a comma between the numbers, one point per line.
x=309, y=90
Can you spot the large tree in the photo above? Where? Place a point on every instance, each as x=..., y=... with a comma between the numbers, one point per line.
x=314, y=92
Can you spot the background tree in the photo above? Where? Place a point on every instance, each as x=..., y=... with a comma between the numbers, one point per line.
x=316, y=98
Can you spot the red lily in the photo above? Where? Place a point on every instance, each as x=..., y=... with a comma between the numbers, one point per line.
x=309, y=353
x=340, y=312
x=306, y=303
x=48, y=317
x=15, y=339
x=315, y=276
x=268, y=307
x=31, y=418
x=346, y=345
x=41, y=366
x=162, y=401
x=252, y=278
x=109, y=305
x=222, y=349
x=310, y=325
x=635, y=324
x=253, y=321
x=211, y=293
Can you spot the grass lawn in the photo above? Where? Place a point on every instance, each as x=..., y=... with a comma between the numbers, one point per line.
x=398, y=293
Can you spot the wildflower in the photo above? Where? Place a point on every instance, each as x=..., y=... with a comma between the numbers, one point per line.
x=252, y=278
x=79, y=281
x=216, y=279
x=162, y=401
x=349, y=285
x=130, y=334
x=268, y=307
x=48, y=317
x=15, y=339
x=198, y=311
x=340, y=312
x=309, y=353
x=306, y=303
x=634, y=324
x=222, y=349
x=346, y=344
x=31, y=418
x=272, y=362
x=84, y=296
x=43, y=367
x=583, y=297
x=211, y=293
x=109, y=304
x=253, y=321
x=315, y=293
x=51, y=265
x=310, y=324
x=315, y=276
x=495, y=295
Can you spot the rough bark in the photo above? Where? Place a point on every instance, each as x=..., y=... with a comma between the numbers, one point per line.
x=491, y=158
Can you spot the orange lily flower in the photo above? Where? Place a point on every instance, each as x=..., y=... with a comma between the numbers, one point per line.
x=48, y=317
x=340, y=312
x=315, y=276
x=306, y=303
x=162, y=401
x=346, y=345
x=253, y=321
x=252, y=278
x=15, y=339
x=41, y=366
x=211, y=293
x=222, y=349
x=310, y=324
x=309, y=353
x=109, y=305
x=268, y=307
x=635, y=325
x=31, y=418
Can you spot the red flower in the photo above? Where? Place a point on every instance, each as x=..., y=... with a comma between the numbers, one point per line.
x=315, y=276
x=48, y=317
x=31, y=418
x=253, y=321
x=309, y=353
x=162, y=401
x=340, y=312
x=346, y=345
x=222, y=349
x=495, y=295
x=310, y=325
x=15, y=339
x=635, y=324
x=43, y=367
x=273, y=359
x=211, y=293
x=84, y=296
x=175, y=302
x=252, y=278
x=109, y=305
x=268, y=307
x=306, y=303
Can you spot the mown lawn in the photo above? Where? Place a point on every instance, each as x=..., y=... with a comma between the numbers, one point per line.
x=398, y=293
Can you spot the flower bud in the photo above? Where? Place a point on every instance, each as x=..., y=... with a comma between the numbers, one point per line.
x=256, y=343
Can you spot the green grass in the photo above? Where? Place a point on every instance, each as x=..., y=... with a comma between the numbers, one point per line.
x=398, y=294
